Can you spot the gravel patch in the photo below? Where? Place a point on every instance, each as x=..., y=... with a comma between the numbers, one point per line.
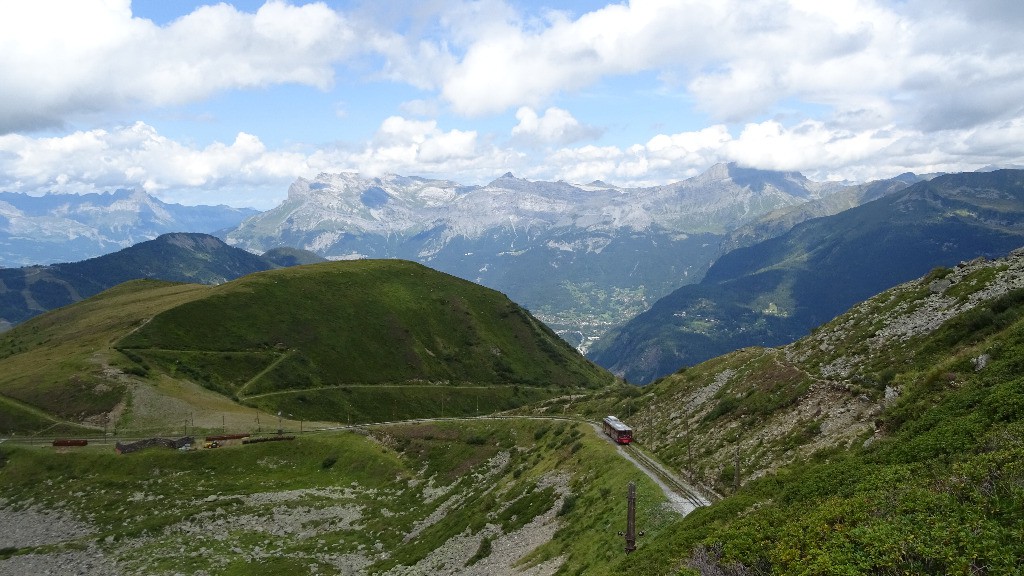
x=89, y=562
x=507, y=550
x=35, y=527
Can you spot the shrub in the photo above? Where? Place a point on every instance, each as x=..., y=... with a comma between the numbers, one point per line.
x=482, y=552
x=567, y=505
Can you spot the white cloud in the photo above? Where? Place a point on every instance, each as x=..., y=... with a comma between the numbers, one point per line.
x=137, y=156
x=662, y=159
x=524, y=63
x=59, y=59
x=906, y=63
x=246, y=172
x=917, y=63
x=818, y=150
x=243, y=171
x=587, y=163
x=847, y=89
x=556, y=126
x=404, y=146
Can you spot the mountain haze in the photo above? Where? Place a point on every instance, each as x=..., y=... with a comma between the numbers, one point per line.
x=71, y=227
x=582, y=258
x=774, y=292
x=178, y=257
x=782, y=220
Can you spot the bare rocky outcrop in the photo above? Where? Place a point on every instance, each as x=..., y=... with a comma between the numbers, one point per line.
x=840, y=400
x=507, y=549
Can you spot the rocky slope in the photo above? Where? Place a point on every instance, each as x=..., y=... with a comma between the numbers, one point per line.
x=771, y=406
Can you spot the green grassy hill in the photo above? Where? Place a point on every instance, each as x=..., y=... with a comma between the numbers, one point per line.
x=346, y=341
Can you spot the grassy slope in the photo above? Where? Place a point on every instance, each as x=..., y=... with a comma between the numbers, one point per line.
x=317, y=339
x=350, y=341
x=939, y=493
x=166, y=511
x=54, y=369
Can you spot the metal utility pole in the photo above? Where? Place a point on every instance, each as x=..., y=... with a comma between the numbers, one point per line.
x=631, y=518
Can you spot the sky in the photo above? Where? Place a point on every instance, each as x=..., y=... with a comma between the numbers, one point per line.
x=229, y=103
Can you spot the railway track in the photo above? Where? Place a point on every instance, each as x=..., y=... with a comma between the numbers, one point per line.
x=681, y=488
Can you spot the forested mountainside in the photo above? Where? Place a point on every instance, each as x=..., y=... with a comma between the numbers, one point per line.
x=776, y=291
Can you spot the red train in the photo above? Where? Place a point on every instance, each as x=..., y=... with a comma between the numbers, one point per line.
x=617, y=431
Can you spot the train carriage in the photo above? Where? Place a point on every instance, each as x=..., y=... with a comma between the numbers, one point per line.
x=617, y=430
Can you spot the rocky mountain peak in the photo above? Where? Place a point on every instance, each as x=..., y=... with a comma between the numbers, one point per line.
x=757, y=180
x=506, y=180
x=192, y=242
x=716, y=173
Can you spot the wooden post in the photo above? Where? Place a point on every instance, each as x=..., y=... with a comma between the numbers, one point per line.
x=631, y=518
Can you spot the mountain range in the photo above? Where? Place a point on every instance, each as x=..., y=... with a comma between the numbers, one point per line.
x=788, y=253
x=776, y=291
x=582, y=258
x=72, y=227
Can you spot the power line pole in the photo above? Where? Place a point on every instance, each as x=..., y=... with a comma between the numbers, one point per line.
x=631, y=518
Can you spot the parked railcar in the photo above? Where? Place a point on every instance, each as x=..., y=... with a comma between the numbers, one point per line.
x=617, y=431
